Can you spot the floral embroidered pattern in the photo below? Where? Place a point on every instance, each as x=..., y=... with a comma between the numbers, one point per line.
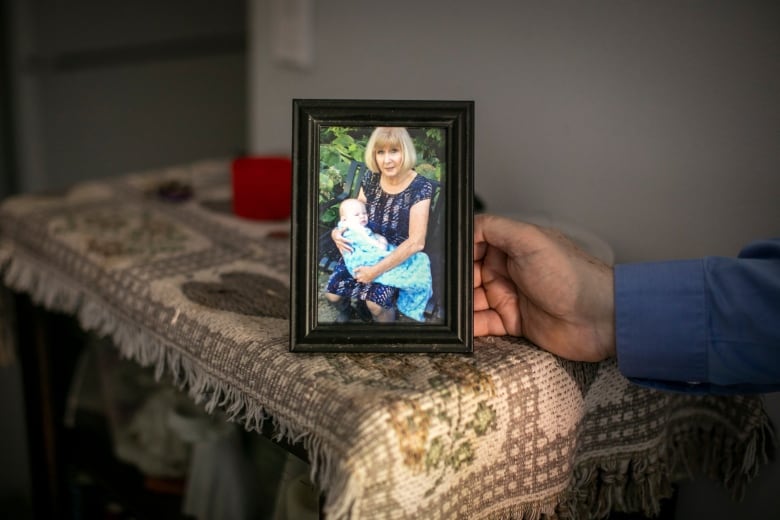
x=445, y=409
x=111, y=233
x=460, y=383
x=412, y=424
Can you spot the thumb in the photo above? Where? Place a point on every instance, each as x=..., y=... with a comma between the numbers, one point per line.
x=512, y=237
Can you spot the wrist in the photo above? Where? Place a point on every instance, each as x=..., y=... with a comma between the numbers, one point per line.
x=605, y=323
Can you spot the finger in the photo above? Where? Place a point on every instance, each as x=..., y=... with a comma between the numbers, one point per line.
x=488, y=323
x=516, y=238
x=479, y=249
x=500, y=294
x=507, y=309
x=493, y=265
x=480, y=300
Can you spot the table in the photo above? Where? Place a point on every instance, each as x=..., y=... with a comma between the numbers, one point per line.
x=509, y=431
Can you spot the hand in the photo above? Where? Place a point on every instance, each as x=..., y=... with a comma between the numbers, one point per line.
x=342, y=244
x=533, y=282
x=365, y=274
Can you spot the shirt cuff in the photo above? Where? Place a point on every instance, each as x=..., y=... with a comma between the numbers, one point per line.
x=660, y=322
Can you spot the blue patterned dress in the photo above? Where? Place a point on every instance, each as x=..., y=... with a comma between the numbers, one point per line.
x=388, y=215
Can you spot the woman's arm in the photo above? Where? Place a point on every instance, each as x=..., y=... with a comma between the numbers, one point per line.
x=418, y=228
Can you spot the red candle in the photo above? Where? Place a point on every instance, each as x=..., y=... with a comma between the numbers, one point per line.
x=262, y=187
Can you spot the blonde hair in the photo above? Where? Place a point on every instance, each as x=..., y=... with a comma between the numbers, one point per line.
x=393, y=136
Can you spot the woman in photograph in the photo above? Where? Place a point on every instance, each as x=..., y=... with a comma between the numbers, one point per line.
x=398, y=200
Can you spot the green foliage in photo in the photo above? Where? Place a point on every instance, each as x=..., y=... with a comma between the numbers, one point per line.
x=341, y=145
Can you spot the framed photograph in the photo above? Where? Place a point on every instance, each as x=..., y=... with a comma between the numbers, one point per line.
x=382, y=226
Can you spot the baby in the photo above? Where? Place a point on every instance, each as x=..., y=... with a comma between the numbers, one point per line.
x=412, y=277
x=354, y=217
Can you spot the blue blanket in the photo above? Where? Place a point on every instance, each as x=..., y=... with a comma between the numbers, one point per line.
x=412, y=277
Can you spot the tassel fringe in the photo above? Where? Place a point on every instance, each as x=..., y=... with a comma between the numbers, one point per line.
x=633, y=482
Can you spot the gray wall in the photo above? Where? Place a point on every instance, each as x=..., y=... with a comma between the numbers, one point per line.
x=105, y=88
x=653, y=124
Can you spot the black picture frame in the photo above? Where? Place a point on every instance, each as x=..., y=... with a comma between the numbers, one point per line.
x=447, y=325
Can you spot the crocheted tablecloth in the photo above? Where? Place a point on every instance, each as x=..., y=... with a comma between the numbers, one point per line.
x=509, y=431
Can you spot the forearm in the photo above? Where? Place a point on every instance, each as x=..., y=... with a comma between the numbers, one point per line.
x=710, y=325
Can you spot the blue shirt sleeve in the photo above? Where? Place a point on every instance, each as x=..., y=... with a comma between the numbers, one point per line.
x=707, y=325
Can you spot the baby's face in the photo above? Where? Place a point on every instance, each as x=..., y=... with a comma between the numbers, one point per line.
x=355, y=214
